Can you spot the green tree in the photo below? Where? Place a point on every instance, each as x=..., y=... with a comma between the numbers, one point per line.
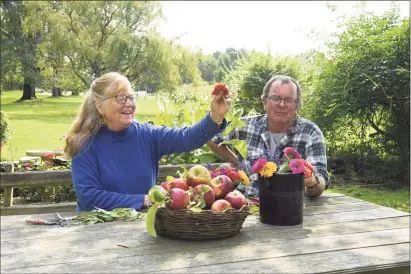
x=363, y=92
x=207, y=66
x=101, y=36
x=251, y=75
x=18, y=59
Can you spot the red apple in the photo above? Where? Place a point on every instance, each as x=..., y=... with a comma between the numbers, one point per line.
x=236, y=199
x=203, y=192
x=198, y=175
x=221, y=185
x=220, y=205
x=176, y=183
x=164, y=185
x=179, y=199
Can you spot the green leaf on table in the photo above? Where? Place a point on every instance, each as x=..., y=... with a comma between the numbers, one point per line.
x=253, y=208
x=240, y=146
x=150, y=220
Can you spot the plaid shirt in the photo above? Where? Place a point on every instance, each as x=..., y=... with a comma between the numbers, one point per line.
x=304, y=136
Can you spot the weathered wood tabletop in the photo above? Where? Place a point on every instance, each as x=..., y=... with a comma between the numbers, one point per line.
x=339, y=234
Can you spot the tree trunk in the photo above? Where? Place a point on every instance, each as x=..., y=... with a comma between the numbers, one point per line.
x=96, y=69
x=29, y=93
x=56, y=92
x=402, y=114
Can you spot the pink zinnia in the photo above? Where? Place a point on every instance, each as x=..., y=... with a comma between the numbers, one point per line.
x=220, y=171
x=291, y=153
x=258, y=165
x=297, y=166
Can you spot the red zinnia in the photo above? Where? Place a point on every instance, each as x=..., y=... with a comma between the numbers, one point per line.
x=220, y=87
x=48, y=155
x=234, y=176
x=308, y=169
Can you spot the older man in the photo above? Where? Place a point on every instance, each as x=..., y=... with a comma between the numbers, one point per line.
x=280, y=127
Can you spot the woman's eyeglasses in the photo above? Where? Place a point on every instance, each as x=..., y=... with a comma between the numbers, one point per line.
x=122, y=99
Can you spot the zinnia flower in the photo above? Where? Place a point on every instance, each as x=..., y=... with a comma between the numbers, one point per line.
x=220, y=171
x=48, y=155
x=291, y=153
x=258, y=165
x=234, y=176
x=220, y=87
x=297, y=166
x=244, y=177
x=308, y=169
x=268, y=170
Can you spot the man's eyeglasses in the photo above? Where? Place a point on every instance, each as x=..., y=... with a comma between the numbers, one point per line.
x=122, y=99
x=287, y=101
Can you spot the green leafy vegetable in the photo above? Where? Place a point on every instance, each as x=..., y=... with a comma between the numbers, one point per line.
x=101, y=216
x=150, y=220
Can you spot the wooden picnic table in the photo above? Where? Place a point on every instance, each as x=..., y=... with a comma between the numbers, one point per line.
x=339, y=234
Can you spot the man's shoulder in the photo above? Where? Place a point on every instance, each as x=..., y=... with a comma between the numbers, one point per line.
x=254, y=120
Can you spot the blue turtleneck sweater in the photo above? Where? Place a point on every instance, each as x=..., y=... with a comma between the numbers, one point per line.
x=117, y=168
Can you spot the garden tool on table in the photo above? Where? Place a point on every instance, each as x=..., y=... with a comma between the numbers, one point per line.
x=56, y=221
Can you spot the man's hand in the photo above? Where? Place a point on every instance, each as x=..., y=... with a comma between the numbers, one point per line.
x=310, y=181
x=312, y=188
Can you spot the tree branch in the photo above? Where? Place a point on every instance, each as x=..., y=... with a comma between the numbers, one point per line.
x=76, y=72
x=378, y=130
x=104, y=27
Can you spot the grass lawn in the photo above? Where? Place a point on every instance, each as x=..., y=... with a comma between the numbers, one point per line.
x=398, y=199
x=42, y=123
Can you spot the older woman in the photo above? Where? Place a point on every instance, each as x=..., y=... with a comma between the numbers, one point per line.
x=115, y=159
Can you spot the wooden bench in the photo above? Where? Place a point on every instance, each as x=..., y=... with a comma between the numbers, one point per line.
x=55, y=177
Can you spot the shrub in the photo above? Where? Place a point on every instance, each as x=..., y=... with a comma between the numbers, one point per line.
x=5, y=128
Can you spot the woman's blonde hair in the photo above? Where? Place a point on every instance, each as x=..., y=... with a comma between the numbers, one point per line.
x=88, y=119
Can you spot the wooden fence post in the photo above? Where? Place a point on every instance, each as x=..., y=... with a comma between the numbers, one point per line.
x=8, y=191
x=8, y=196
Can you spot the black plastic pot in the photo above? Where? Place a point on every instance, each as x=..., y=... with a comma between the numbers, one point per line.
x=282, y=199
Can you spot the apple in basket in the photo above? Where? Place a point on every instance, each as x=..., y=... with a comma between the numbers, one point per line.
x=203, y=192
x=236, y=199
x=198, y=175
x=221, y=185
x=220, y=205
x=175, y=183
x=179, y=199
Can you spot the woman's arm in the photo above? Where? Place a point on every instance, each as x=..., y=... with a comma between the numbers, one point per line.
x=168, y=140
x=90, y=192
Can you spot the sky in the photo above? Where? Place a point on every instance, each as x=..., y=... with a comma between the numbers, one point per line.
x=285, y=27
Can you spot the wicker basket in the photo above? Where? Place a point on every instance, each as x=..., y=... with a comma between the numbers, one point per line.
x=206, y=225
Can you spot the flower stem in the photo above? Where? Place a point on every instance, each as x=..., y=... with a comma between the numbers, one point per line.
x=225, y=102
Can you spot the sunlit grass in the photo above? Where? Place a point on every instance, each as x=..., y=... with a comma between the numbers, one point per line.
x=42, y=123
x=398, y=199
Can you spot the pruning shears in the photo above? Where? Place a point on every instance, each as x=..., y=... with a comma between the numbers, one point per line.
x=56, y=221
